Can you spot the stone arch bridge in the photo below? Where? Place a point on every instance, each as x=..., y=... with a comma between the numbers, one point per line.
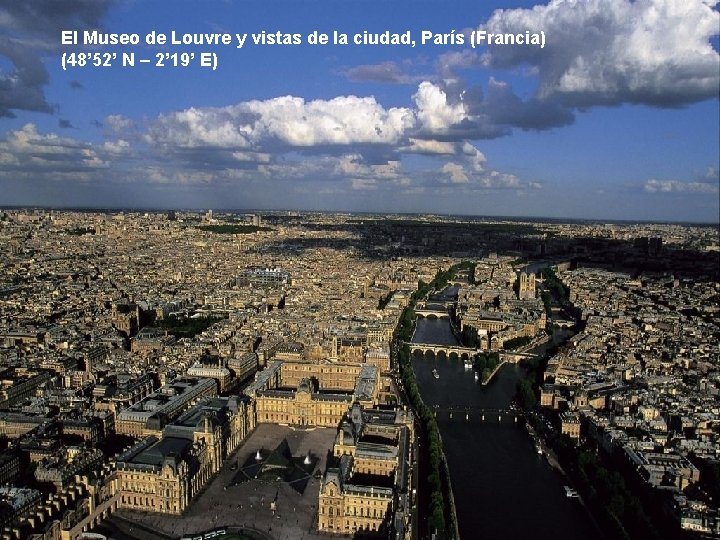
x=432, y=313
x=424, y=348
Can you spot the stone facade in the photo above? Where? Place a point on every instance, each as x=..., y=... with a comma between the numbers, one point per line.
x=164, y=474
x=309, y=394
x=372, y=450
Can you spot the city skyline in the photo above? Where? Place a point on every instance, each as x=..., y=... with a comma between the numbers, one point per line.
x=151, y=361
x=615, y=119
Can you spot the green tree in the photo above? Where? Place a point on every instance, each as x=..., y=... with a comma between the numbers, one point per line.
x=525, y=395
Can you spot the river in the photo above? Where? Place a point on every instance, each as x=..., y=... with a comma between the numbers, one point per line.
x=503, y=488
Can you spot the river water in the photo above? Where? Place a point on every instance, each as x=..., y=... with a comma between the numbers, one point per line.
x=503, y=488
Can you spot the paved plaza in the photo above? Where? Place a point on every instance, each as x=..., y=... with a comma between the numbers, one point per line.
x=225, y=503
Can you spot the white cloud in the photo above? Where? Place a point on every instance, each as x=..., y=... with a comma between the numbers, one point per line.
x=254, y=133
x=674, y=186
x=475, y=157
x=117, y=148
x=336, y=169
x=712, y=174
x=252, y=157
x=428, y=146
x=118, y=122
x=449, y=62
x=284, y=122
x=456, y=173
x=656, y=52
x=25, y=151
x=352, y=142
x=162, y=175
x=497, y=179
x=473, y=173
x=434, y=113
x=211, y=127
x=363, y=184
x=353, y=165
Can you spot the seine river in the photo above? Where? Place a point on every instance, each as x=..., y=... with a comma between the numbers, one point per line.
x=503, y=488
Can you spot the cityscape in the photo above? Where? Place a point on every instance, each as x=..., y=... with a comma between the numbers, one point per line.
x=288, y=375
x=295, y=270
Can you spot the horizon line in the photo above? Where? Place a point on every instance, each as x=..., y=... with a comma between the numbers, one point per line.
x=159, y=209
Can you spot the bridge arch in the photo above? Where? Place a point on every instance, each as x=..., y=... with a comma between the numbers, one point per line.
x=431, y=314
x=447, y=350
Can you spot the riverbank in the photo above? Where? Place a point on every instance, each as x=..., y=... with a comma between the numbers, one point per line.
x=442, y=513
x=486, y=380
x=436, y=505
x=501, y=487
x=553, y=461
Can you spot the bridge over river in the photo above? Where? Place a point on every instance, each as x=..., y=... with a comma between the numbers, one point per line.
x=486, y=445
x=509, y=415
x=465, y=352
x=460, y=351
x=438, y=309
x=430, y=313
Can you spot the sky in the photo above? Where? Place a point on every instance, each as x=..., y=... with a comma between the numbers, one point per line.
x=616, y=117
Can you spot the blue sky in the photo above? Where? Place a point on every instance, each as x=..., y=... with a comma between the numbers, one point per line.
x=616, y=118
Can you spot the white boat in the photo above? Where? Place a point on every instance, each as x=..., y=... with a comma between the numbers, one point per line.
x=571, y=493
x=538, y=448
x=476, y=376
x=435, y=374
x=468, y=364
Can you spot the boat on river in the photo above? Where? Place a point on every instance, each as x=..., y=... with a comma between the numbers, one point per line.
x=571, y=493
x=435, y=374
